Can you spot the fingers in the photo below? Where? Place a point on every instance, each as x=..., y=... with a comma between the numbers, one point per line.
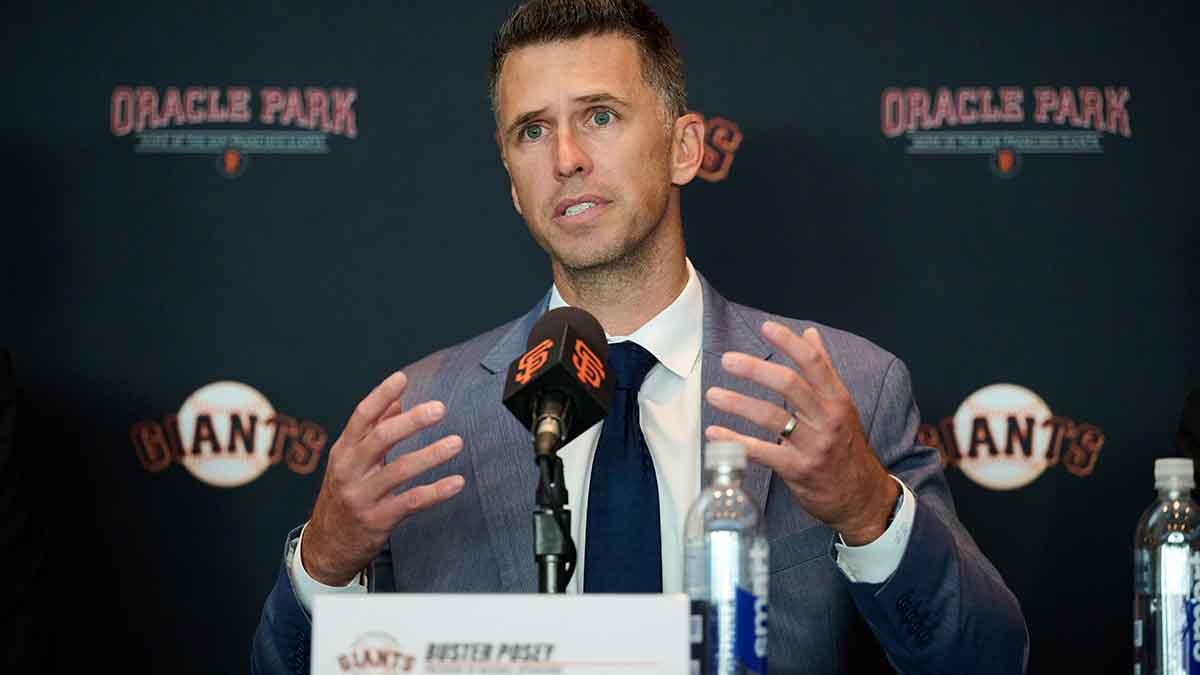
x=375, y=405
x=809, y=355
x=392, y=410
x=779, y=378
x=382, y=436
x=410, y=465
x=764, y=414
x=782, y=459
x=395, y=508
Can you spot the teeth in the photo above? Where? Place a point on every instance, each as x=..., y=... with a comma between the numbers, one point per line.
x=578, y=208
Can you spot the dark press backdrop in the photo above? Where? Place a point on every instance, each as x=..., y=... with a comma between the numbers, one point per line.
x=260, y=211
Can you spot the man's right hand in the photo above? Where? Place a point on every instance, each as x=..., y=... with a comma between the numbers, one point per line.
x=356, y=508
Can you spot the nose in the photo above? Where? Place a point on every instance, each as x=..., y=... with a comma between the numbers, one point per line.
x=571, y=159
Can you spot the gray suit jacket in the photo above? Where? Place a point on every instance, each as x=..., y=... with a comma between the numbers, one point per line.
x=944, y=610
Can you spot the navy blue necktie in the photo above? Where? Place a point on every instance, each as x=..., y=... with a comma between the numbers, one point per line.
x=624, y=541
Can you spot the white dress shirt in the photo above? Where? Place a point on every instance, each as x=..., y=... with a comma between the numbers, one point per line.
x=670, y=402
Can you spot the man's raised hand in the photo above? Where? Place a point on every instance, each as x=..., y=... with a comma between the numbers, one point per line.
x=356, y=509
x=826, y=461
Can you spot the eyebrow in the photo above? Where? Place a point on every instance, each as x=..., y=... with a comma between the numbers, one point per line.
x=601, y=97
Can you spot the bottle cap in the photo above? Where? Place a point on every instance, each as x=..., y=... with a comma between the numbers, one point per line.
x=724, y=453
x=1174, y=472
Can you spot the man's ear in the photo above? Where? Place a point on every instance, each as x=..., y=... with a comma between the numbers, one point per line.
x=687, y=148
x=515, y=198
x=512, y=186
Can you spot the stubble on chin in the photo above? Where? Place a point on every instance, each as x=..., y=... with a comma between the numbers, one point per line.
x=583, y=261
x=614, y=269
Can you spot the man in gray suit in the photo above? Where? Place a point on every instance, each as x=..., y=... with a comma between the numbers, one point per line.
x=430, y=486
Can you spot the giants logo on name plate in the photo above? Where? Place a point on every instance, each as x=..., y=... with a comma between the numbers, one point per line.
x=376, y=653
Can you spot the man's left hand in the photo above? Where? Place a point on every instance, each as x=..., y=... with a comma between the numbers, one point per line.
x=826, y=461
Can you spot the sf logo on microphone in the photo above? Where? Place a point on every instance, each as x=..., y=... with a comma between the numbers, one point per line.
x=588, y=367
x=533, y=360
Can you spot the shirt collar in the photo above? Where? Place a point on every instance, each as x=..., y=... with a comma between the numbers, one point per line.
x=673, y=335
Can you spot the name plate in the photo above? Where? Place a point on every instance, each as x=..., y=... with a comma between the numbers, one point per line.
x=500, y=634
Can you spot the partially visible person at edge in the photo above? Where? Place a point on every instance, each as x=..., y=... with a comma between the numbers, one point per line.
x=870, y=567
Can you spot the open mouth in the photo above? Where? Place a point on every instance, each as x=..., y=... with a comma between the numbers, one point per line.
x=581, y=209
x=576, y=209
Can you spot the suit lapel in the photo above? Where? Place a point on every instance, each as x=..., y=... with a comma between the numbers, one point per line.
x=725, y=329
x=502, y=459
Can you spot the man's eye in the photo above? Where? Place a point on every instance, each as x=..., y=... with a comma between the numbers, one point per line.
x=532, y=132
x=602, y=118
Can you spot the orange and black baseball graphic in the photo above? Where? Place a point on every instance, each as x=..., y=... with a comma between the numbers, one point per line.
x=227, y=434
x=533, y=360
x=588, y=367
x=722, y=138
x=1004, y=436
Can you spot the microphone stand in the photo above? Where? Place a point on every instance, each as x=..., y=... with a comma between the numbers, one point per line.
x=553, y=547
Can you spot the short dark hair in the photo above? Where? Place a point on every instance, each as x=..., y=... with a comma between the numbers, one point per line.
x=542, y=21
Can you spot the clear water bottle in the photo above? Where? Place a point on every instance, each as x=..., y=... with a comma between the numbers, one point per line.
x=725, y=565
x=1166, y=607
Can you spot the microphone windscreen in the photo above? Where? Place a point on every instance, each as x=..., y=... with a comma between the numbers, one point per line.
x=566, y=358
x=552, y=324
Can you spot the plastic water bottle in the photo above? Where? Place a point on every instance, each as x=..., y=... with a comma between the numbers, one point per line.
x=725, y=568
x=1166, y=608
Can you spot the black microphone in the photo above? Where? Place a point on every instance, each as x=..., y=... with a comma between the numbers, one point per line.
x=561, y=385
